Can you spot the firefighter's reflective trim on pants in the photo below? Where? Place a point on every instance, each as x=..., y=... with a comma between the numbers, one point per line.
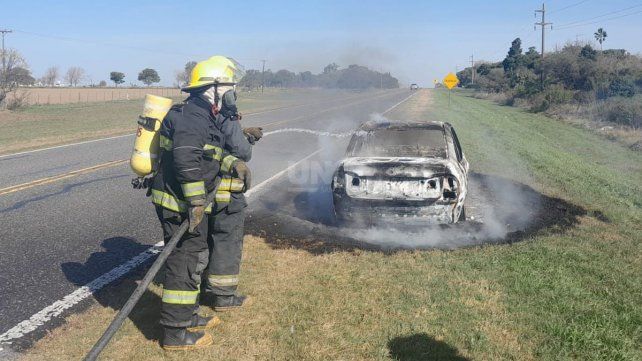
x=226, y=164
x=223, y=280
x=172, y=203
x=213, y=152
x=166, y=143
x=223, y=196
x=230, y=184
x=193, y=189
x=180, y=297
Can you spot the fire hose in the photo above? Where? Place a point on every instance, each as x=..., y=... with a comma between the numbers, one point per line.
x=142, y=287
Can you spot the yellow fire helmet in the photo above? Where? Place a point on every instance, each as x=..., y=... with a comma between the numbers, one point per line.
x=215, y=70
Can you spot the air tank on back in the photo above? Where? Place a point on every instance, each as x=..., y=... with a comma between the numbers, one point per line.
x=147, y=145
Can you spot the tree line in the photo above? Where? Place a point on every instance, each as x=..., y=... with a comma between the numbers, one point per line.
x=333, y=77
x=603, y=83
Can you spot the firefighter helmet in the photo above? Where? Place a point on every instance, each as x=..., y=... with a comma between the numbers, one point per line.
x=215, y=70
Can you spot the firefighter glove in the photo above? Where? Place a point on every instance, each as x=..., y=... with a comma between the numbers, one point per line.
x=242, y=171
x=195, y=213
x=253, y=134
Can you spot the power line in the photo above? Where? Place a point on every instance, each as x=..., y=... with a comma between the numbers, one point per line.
x=599, y=21
x=599, y=16
x=568, y=7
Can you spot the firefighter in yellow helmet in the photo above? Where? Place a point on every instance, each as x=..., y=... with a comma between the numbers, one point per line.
x=191, y=159
x=225, y=235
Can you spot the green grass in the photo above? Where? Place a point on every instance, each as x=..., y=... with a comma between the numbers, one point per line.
x=45, y=125
x=563, y=293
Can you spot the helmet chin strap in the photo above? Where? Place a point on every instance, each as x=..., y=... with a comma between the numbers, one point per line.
x=211, y=95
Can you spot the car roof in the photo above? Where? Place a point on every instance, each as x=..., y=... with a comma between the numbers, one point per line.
x=400, y=125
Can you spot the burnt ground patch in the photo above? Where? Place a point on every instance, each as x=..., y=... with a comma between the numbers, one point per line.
x=499, y=211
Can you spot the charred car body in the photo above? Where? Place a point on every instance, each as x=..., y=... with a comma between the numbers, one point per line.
x=402, y=170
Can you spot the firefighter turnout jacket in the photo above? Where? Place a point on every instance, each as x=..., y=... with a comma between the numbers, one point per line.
x=235, y=147
x=191, y=157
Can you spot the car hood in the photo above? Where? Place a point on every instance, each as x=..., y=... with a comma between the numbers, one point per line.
x=397, y=167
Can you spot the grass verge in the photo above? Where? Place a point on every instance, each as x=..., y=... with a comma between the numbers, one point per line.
x=564, y=293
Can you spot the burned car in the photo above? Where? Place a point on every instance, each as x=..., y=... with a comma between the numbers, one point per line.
x=415, y=171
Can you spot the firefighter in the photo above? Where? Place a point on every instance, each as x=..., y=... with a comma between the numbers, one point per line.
x=226, y=223
x=190, y=163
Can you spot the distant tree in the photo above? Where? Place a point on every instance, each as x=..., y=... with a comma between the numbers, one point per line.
x=182, y=76
x=284, y=78
x=22, y=76
x=330, y=68
x=50, y=76
x=148, y=76
x=600, y=36
x=531, y=58
x=306, y=78
x=74, y=75
x=117, y=77
x=14, y=74
x=102, y=84
x=514, y=57
x=588, y=52
x=483, y=69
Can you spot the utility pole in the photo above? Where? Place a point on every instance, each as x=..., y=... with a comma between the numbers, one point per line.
x=472, y=69
x=543, y=24
x=4, y=61
x=263, y=76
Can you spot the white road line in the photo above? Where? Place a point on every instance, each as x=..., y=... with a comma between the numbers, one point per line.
x=398, y=104
x=78, y=295
x=58, y=307
x=66, y=145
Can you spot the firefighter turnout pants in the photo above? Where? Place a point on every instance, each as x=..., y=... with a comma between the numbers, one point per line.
x=183, y=270
x=225, y=243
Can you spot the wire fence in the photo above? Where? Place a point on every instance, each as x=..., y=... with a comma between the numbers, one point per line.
x=44, y=96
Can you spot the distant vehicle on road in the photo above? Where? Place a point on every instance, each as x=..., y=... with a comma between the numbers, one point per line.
x=411, y=171
x=414, y=86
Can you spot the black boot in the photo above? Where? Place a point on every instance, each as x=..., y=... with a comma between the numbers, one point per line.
x=228, y=303
x=202, y=323
x=179, y=338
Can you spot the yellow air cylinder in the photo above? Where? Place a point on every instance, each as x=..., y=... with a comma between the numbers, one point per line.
x=146, y=147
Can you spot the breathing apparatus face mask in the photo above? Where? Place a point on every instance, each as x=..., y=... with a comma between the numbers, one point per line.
x=227, y=99
x=222, y=98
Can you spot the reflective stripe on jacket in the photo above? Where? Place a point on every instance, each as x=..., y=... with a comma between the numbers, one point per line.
x=191, y=158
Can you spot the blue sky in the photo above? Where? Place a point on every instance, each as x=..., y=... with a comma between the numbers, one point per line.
x=417, y=41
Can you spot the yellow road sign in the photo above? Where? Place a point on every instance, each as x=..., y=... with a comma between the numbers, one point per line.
x=450, y=80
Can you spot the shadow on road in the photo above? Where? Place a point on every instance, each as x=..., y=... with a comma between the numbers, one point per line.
x=65, y=189
x=116, y=251
x=421, y=347
x=506, y=212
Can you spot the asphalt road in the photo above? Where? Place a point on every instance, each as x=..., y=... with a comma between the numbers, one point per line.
x=60, y=235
